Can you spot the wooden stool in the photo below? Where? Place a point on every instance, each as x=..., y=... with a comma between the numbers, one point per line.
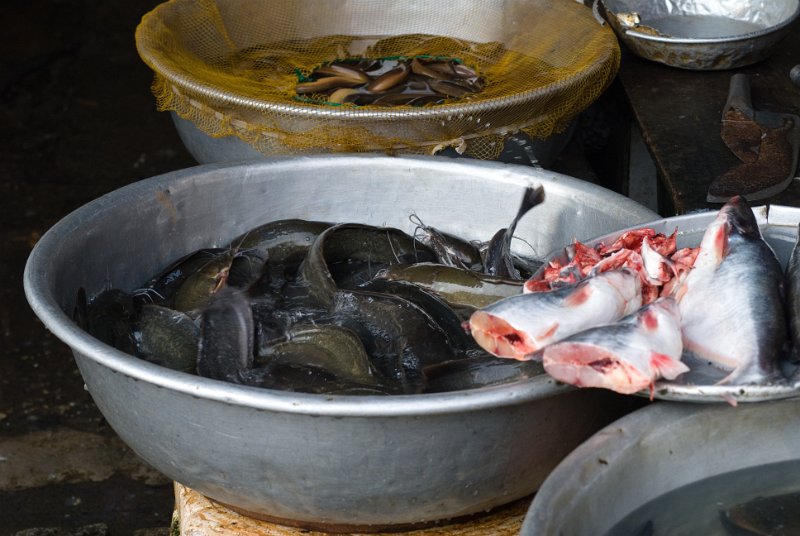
x=196, y=515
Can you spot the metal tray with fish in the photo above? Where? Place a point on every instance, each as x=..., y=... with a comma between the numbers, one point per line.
x=778, y=225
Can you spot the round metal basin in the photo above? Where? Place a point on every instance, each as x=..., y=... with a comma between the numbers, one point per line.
x=519, y=149
x=701, y=34
x=654, y=451
x=324, y=461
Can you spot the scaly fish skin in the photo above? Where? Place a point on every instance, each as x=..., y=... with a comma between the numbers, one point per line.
x=626, y=356
x=731, y=301
x=520, y=325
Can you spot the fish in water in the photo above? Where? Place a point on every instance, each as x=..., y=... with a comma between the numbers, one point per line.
x=520, y=325
x=450, y=250
x=626, y=356
x=225, y=348
x=776, y=515
x=731, y=301
x=459, y=287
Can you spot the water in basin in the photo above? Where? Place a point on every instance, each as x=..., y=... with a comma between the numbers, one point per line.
x=759, y=500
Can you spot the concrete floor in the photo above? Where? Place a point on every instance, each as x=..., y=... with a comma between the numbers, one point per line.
x=78, y=121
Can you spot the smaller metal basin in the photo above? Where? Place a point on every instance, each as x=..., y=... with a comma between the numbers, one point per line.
x=700, y=35
x=656, y=450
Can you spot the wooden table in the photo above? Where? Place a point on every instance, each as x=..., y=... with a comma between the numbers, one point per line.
x=195, y=515
x=679, y=113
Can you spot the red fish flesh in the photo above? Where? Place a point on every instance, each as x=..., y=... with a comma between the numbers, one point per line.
x=626, y=356
x=642, y=250
x=518, y=326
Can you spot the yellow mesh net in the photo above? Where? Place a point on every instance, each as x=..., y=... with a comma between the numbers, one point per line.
x=231, y=67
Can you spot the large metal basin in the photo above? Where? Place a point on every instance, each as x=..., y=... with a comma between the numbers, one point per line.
x=317, y=460
x=654, y=451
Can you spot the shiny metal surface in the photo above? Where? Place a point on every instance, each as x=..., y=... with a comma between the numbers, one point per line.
x=653, y=451
x=207, y=150
x=779, y=227
x=320, y=460
x=701, y=34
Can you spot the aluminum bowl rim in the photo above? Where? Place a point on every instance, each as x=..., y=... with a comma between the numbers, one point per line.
x=37, y=285
x=184, y=80
x=611, y=444
x=712, y=40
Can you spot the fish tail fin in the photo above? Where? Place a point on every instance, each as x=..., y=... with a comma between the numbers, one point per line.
x=533, y=196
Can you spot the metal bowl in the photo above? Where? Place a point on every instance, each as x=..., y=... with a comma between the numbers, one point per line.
x=517, y=149
x=314, y=460
x=654, y=451
x=185, y=43
x=701, y=34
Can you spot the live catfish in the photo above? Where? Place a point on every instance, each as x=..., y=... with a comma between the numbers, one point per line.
x=320, y=307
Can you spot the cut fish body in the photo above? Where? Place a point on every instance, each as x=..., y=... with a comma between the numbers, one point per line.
x=626, y=356
x=520, y=325
x=731, y=301
x=793, y=294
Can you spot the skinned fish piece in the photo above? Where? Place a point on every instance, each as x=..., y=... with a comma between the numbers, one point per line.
x=731, y=301
x=520, y=325
x=626, y=356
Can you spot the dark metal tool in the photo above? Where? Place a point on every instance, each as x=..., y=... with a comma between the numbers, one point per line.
x=766, y=142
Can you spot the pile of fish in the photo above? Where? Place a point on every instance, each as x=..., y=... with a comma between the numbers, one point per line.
x=355, y=309
x=318, y=307
x=390, y=82
x=623, y=316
